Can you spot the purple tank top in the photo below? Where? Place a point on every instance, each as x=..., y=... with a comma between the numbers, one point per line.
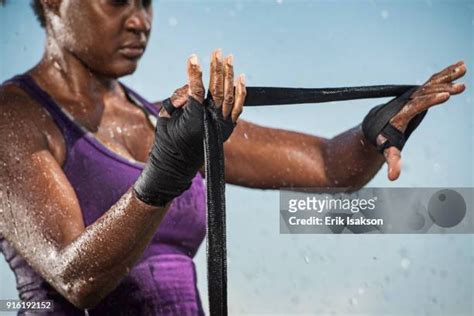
x=163, y=281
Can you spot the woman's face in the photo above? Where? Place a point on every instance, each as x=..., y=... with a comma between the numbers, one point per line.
x=108, y=36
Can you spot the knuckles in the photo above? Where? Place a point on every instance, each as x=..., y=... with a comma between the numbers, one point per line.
x=229, y=99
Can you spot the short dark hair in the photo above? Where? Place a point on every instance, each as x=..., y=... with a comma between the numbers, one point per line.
x=39, y=11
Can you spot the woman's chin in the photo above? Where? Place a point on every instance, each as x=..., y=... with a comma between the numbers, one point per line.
x=122, y=68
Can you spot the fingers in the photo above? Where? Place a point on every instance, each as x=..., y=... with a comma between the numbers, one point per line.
x=448, y=74
x=195, y=85
x=222, y=88
x=241, y=92
x=435, y=91
x=226, y=95
x=451, y=88
x=180, y=96
x=216, y=81
x=178, y=100
x=394, y=162
x=416, y=106
x=228, y=86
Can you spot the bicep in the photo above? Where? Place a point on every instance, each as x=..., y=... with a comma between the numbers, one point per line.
x=40, y=211
x=269, y=158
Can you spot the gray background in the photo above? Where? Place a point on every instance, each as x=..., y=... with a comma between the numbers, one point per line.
x=317, y=43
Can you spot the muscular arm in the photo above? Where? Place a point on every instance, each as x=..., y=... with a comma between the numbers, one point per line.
x=268, y=158
x=42, y=219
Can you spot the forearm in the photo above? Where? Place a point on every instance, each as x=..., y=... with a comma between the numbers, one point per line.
x=269, y=158
x=92, y=265
x=350, y=161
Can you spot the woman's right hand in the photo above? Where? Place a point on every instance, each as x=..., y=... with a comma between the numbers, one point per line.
x=227, y=95
x=178, y=151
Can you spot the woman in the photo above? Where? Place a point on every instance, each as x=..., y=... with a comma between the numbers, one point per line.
x=88, y=178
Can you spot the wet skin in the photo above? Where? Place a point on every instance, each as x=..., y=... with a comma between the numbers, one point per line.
x=41, y=216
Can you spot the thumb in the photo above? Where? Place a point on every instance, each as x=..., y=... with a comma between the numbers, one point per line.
x=394, y=161
x=196, y=87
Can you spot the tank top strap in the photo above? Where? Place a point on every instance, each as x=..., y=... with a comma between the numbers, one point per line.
x=60, y=117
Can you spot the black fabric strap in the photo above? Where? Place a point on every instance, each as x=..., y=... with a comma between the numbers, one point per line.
x=166, y=103
x=378, y=119
x=214, y=162
x=394, y=138
x=216, y=224
x=281, y=96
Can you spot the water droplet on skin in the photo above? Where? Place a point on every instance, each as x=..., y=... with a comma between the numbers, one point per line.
x=246, y=136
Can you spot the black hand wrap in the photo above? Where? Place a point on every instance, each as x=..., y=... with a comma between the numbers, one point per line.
x=378, y=119
x=226, y=125
x=178, y=151
x=176, y=156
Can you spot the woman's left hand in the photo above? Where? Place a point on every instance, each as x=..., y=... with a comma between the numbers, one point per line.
x=435, y=91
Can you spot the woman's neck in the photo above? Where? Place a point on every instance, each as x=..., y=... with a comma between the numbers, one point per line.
x=63, y=72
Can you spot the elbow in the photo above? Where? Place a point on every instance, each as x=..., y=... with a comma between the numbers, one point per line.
x=353, y=188
x=84, y=300
x=344, y=187
x=83, y=294
x=344, y=184
x=348, y=185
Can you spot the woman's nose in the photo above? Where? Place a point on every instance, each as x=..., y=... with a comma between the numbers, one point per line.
x=139, y=21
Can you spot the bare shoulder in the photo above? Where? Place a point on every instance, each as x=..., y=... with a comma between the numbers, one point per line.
x=25, y=124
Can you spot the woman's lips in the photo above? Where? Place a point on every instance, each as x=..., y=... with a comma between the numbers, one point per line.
x=132, y=52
